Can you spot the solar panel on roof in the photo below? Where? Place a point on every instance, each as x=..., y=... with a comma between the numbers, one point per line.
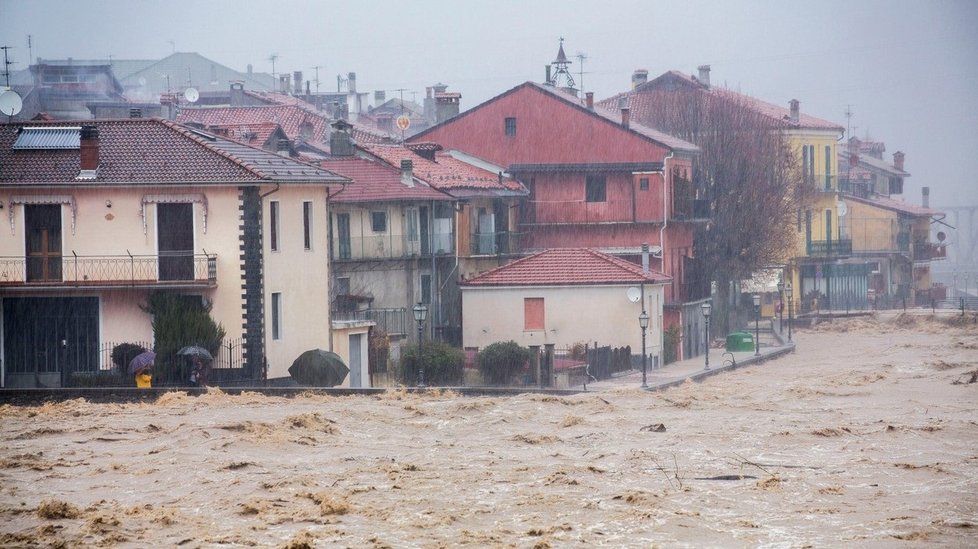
x=48, y=138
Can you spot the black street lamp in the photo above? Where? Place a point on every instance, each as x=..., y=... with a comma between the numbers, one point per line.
x=781, y=307
x=757, y=325
x=643, y=322
x=420, y=314
x=705, y=307
x=787, y=292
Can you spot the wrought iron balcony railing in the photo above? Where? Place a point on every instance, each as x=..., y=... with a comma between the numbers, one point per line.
x=829, y=247
x=166, y=269
x=497, y=243
x=391, y=321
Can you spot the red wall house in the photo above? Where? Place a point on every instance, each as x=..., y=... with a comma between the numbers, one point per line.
x=596, y=180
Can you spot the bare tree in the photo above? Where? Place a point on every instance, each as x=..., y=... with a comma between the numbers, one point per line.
x=748, y=173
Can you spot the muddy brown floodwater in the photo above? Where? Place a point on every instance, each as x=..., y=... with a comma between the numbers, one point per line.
x=867, y=435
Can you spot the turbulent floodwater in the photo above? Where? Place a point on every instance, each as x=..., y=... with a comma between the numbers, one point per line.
x=867, y=435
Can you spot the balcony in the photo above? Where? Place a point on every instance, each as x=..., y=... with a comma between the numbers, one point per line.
x=395, y=322
x=176, y=270
x=497, y=243
x=823, y=248
x=822, y=183
x=391, y=246
x=927, y=251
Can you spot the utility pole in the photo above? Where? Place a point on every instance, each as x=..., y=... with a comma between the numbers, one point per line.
x=272, y=58
x=6, y=64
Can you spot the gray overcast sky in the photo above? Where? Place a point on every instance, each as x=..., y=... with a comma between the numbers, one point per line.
x=907, y=68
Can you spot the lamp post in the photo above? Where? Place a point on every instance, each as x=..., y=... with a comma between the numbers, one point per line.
x=788, y=292
x=781, y=307
x=705, y=307
x=420, y=314
x=643, y=322
x=757, y=325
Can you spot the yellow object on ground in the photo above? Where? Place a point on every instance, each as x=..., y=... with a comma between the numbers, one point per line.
x=144, y=381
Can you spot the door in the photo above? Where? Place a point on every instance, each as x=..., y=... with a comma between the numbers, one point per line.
x=425, y=231
x=486, y=236
x=412, y=234
x=175, y=241
x=343, y=234
x=43, y=242
x=356, y=361
x=47, y=339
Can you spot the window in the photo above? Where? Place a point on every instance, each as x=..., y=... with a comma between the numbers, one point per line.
x=426, y=288
x=276, y=315
x=273, y=225
x=342, y=285
x=307, y=225
x=595, y=189
x=511, y=127
x=828, y=168
x=533, y=314
x=643, y=184
x=378, y=222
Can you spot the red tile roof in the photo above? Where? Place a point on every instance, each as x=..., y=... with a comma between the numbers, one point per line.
x=290, y=117
x=567, y=267
x=896, y=205
x=641, y=99
x=376, y=182
x=446, y=173
x=151, y=152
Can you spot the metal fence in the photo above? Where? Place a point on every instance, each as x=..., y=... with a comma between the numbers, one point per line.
x=95, y=270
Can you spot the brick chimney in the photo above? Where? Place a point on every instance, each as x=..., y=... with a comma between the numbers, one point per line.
x=898, y=160
x=639, y=77
x=297, y=82
x=340, y=140
x=89, y=148
x=794, y=105
x=446, y=105
x=407, y=172
x=625, y=116
x=704, y=77
x=380, y=97
x=589, y=100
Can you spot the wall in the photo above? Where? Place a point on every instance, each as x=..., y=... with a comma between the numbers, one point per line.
x=497, y=314
x=341, y=346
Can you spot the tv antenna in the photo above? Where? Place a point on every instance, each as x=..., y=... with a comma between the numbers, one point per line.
x=272, y=58
x=6, y=64
x=581, y=56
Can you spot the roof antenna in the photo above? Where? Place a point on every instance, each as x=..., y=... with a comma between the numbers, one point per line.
x=581, y=56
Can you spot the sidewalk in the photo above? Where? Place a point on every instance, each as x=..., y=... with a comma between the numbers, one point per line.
x=771, y=346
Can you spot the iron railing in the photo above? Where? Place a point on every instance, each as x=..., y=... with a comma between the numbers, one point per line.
x=392, y=321
x=495, y=243
x=109, y=270
x=392, y=246
x=829, y=247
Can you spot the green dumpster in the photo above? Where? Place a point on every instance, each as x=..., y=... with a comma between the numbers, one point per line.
x=740, y=341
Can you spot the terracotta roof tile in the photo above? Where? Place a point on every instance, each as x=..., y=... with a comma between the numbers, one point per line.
x=567, y=267
x=376, y=182
x=147, y=151
x=895, y=205
x=446, y=173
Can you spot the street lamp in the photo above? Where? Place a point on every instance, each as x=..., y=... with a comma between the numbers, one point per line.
x=788, y=292
x=757, y=324
x=643, y=322
x=420, y=314
x=781, y=307
x=705, y=307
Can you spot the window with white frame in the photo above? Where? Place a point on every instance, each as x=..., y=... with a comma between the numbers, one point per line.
x=273, y=228
x=276, y=315
x=307, y=225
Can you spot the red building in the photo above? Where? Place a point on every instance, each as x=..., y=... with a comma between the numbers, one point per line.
x=595, y=179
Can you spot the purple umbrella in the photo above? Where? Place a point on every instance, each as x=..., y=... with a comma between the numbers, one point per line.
x=141, y=362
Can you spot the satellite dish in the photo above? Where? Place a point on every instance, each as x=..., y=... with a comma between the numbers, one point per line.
x=191, y=94
x=10, y=103
x=842, y=208
x=633, y=294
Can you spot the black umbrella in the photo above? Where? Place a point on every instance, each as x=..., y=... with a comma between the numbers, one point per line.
x=319, y=368
x=194, y=350
x=141, y=362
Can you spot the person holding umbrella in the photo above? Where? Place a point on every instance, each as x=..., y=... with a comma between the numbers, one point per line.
x=199, y=359
x=140, y=366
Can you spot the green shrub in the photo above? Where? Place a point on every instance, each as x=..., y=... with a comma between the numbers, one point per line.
x=123, y=353
x=671, y=338
x=179, y=321
x=442, y=364
x=499, y=362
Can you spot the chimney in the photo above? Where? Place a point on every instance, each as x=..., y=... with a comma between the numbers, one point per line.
x=625, y=116
x=854, y=151
x=639, y=77
x=589, y=98
x=283, y=83
x=380, y=96
x=297, y=82
x=340, y=142
x=407, y=175
x=704, y=77
x=446, y=105
x=89, y=148
x=249, y=69
x=645, y=257
x=351, y=83
x=925, y=197
x=794, y=105
x=898, y=160
x=237, y=94
x=547, y=81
